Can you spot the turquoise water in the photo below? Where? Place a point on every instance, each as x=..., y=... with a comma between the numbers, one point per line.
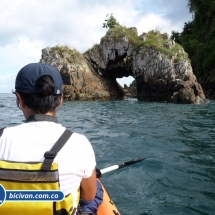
x=179, y=178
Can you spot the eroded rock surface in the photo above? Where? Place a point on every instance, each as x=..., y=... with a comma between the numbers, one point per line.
x=81, y=82
x=160, y=67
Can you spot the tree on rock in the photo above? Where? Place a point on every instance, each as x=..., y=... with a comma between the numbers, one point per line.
x=110, y=22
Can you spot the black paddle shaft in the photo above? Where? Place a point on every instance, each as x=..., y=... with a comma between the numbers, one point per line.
x=127, y=163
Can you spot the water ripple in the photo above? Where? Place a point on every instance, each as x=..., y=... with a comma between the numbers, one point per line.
x=180, y=176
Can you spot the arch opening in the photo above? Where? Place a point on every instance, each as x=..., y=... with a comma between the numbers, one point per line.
x=125, y=80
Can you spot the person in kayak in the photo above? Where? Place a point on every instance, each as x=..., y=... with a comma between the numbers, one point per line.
x=39, y=93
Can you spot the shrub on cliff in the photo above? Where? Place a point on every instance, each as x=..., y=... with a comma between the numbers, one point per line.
x=119, y=32
x=110, y=22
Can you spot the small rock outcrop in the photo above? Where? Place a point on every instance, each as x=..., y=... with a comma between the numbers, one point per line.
x=130, y=92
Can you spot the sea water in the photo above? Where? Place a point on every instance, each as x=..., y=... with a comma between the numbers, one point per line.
x=178, y=178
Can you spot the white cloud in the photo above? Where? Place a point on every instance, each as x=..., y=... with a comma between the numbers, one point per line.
x=30, y=26
x=20, y=51
x=13, y=57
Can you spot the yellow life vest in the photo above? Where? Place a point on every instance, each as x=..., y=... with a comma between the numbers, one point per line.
x=36, y=176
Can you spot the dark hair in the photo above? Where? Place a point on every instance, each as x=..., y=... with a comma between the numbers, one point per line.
x=45, y=100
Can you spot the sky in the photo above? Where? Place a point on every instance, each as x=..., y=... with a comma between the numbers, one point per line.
x=27, y=27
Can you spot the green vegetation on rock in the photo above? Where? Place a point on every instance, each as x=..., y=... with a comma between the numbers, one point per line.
x=72, y=55
x=119, y=32
x=61, y=49
x=153, y=39
x=110, y=22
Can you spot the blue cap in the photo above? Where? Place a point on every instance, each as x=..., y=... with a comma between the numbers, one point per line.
x=29, y=74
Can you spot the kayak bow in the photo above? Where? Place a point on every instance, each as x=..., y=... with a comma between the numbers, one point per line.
x=108, y=207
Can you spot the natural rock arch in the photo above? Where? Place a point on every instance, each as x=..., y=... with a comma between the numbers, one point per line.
x=160, y=67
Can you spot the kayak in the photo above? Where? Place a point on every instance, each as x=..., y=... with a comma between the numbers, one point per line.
x=107, y=207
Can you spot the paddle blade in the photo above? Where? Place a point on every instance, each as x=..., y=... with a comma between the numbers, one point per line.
x=127, y=163
x=99, y=173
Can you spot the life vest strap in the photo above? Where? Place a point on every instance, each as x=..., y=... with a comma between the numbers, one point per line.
x=50, y=155
x=1, y=131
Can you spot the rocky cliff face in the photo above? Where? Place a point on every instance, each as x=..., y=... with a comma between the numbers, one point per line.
x=81, y=82
x=160, y=78
x=159, y=65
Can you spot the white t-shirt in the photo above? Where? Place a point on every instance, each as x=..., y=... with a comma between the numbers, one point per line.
x=29, y=142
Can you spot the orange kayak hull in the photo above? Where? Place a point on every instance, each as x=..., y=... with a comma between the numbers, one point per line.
x=107, y=207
